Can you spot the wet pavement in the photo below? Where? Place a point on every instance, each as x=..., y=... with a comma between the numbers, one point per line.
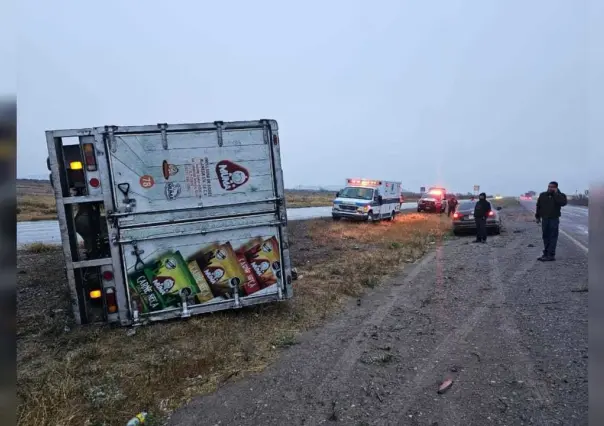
x=47, y=231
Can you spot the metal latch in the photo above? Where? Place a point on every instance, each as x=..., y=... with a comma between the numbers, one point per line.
x=129, y=203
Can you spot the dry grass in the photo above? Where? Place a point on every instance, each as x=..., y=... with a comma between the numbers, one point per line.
x=506, y=202
x=36, y=207
x=38, y=248
x=296, y=199
x=102, y=376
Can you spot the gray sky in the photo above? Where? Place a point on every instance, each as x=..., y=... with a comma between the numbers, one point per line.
x=426, y=92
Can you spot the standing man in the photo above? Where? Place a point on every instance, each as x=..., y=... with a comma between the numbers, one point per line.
x=548, y=214
x=452, y=205
x=481, y=212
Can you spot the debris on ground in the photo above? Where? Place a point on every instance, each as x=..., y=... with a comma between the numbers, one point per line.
x=445, y=386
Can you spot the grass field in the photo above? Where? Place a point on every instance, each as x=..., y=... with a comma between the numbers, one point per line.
x=94, y=375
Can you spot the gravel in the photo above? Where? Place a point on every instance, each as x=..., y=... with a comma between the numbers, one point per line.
x=508, y=332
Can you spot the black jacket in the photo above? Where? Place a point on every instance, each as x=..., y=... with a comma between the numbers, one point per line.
x=482, y=209
x=549, y=205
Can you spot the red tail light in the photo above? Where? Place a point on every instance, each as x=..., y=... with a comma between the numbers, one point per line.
x=89, y=157
x=491, y=213
x=107, y=275
x=455, y=215
x=110, y=300
x=94, y=182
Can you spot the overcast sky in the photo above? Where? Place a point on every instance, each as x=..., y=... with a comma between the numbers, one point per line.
x=426, y=92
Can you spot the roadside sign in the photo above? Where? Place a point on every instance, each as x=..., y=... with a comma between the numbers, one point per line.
x=476, y=188
x=422, y=189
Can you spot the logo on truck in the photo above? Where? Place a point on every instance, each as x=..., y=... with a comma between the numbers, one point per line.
x=168, y=169
x=172, y=190
x=230, y=175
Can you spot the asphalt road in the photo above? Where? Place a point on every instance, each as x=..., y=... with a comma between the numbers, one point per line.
x=574, y=221
x=509, y=331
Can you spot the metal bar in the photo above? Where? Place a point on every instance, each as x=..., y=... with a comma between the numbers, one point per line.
x=83, y=199
x=121, y=292
x=69, y=133
x=164, y=135
x=219, y=125
x=198, y=232
x=92, y=263
x=232, y=125
x=54, y=143
x=217, y=206
x=207, y=308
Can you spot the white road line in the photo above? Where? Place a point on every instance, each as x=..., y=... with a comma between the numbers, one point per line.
x=574, y=240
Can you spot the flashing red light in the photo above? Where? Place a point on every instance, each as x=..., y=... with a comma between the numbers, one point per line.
x=95, y=183
x=107, y=275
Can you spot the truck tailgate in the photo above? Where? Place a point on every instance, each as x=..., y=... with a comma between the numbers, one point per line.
x=193, y=172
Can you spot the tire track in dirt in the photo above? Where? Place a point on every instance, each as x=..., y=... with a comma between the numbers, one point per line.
x=353, y=352
x=360, y=344
x=413, y=389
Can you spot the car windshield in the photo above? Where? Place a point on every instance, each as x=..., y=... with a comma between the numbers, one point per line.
x=357, y=193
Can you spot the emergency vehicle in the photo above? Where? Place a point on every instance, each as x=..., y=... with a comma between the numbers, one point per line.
x=368, y=200
x=435, y=200
x=170, y=220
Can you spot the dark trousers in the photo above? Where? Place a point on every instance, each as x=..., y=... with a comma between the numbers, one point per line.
x=549, y=227
x=451, y=210
x=481, y=228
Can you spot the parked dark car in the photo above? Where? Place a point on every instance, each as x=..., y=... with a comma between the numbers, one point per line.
x=463, y=219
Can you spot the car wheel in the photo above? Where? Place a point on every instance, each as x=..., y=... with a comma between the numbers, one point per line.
x=370, y=217
x=419, y=210
x=336, y=218
x=498, y=230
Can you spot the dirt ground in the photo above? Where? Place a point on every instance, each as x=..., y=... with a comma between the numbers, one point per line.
x=508, y=331
x=93, y=375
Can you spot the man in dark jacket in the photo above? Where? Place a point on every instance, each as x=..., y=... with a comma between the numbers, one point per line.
x=481, y=212
x=548, y=214
x=452, y=205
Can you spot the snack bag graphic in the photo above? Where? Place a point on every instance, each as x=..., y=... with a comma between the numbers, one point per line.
x=143, y=293
x=172, y=278
x=221, y=269
x=265, y=260
x=205, y=293
x=251, y=284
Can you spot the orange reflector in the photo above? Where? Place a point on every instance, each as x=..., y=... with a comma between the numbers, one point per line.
x=95, y=294
x=112, y=309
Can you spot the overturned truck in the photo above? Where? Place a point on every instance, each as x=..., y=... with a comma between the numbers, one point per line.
x=170, y=220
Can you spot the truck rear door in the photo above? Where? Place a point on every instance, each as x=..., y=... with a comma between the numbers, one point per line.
x=199, y=216
x=189, y=172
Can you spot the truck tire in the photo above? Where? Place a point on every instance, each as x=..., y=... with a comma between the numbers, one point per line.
x=370, y=217
x=336, y=218
x=392, y=216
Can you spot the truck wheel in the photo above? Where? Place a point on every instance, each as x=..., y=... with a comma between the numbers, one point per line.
x=392, y=216
x=419, y=210
x=370, y=217
x=336, y=218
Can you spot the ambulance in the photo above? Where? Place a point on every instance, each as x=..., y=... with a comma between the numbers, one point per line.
x=367, y=200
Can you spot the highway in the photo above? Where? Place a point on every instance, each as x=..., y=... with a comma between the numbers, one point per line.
x=47, y=231
x=574, y=223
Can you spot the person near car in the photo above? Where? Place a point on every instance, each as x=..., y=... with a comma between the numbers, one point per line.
x=452, y=205
x=481, y=213
x=548, y=212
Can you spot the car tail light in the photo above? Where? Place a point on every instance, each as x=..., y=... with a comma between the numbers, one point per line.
x=455, y=215
x=491, y=213
x=110, y=300
x=94, y=182
x=89, y=157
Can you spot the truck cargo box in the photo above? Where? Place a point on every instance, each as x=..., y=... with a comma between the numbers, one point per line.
x=176, y=219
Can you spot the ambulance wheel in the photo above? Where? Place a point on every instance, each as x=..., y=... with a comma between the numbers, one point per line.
x=370, y=217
